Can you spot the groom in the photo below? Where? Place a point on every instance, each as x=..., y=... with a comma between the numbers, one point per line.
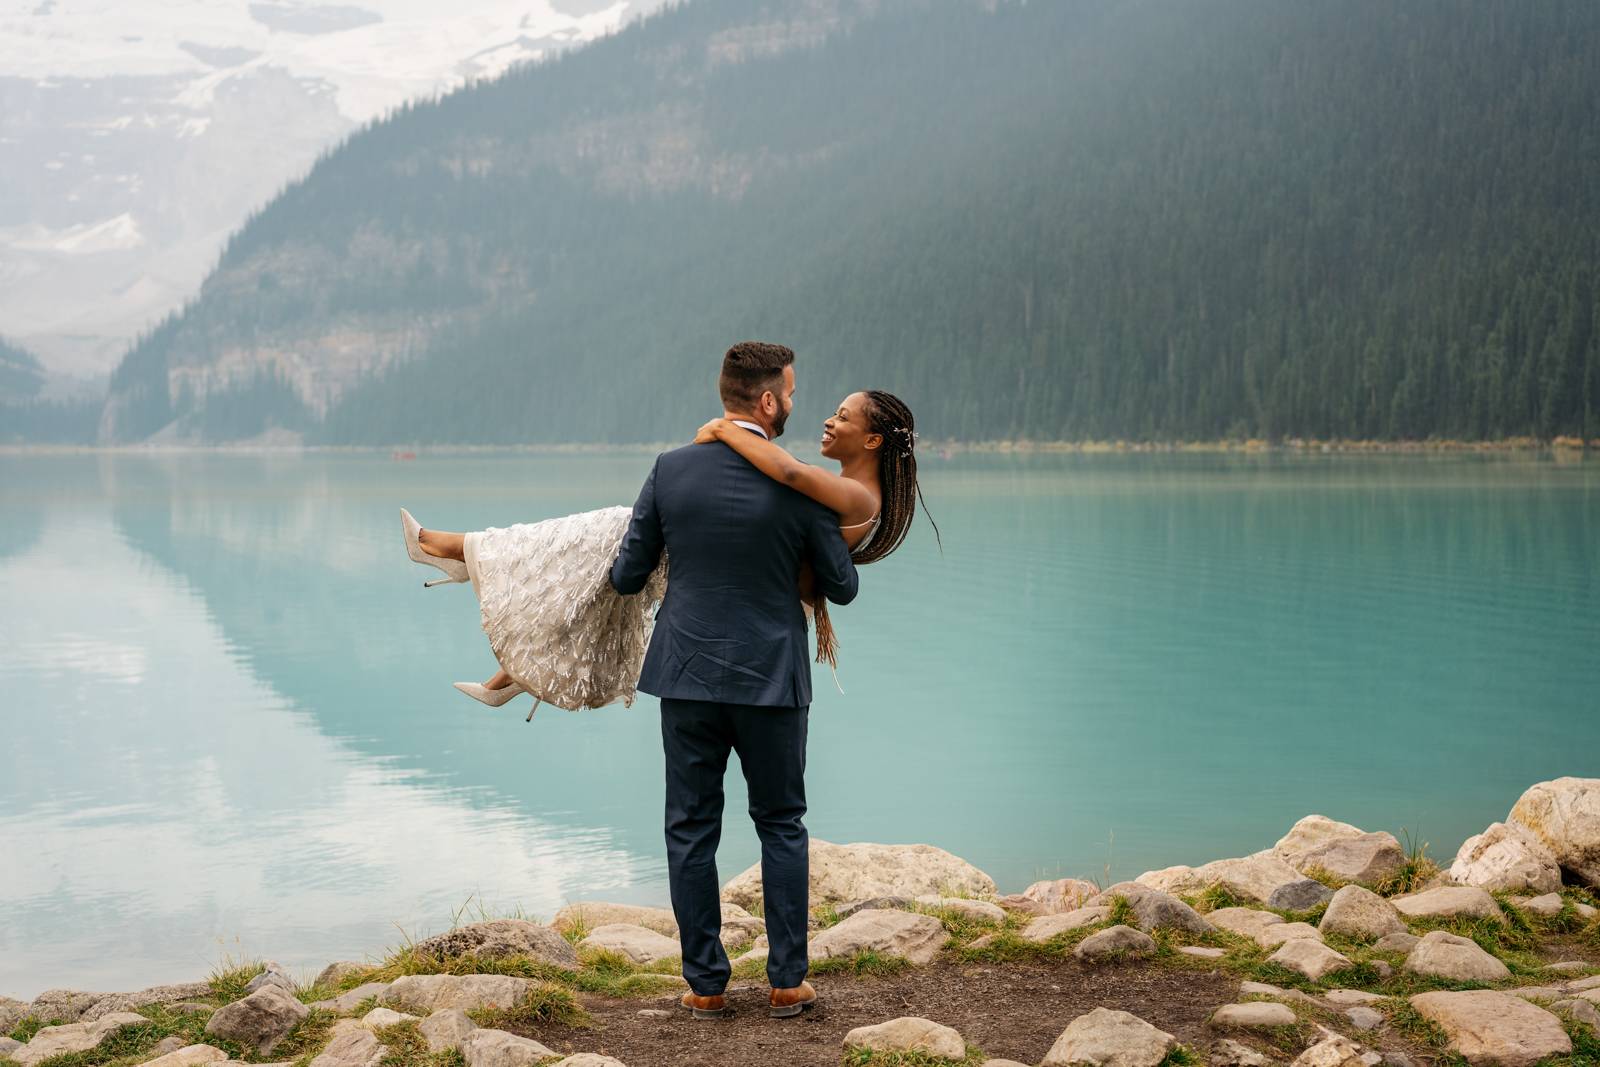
x=730, y=661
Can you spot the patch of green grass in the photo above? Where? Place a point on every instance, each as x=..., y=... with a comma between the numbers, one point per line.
x=1409, y=1023
x=749, y=970
x=575, y=930
x=1008, y=946
x=1417, y=870
x=1217, y=896
x=132, y=1044
x=1512, y=934
x=545, y=1004
x=128, y=1045
x=1122, y=913
x=408, y=1048
x=864, y=964
x=957, y=924
x=1181, y=1056
x=363, y=1006
x=29, y=1025
x=1585, y=1043
x=1326, y=877
x=408, y=961
x=861, y=1057
x=309, y=1037
x=827, y=915
x=230, y=977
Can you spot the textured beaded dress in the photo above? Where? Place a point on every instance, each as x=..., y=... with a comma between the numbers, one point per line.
x=553, y=620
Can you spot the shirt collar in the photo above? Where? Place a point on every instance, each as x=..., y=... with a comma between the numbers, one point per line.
x=750, y=426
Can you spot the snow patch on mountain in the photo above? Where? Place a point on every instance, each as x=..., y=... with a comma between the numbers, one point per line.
x=134, y=137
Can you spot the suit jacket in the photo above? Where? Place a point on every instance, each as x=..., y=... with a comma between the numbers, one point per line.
x=731, y=628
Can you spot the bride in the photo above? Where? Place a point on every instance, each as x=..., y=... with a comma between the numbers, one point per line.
x=561, y=633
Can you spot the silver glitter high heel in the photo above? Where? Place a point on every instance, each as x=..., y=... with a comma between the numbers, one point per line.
x=454, y=569
x=492, y=697
x=496, y=697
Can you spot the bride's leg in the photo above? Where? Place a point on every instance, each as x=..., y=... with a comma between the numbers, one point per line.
x=442, y=543
x=500, y=680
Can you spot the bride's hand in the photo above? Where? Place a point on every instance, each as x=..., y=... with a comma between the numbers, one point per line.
x=708, y=432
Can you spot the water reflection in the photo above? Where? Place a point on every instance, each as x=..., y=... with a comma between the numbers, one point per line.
x=228, y=712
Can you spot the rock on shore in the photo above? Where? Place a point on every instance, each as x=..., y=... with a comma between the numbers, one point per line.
x=1564, y=814
x=855, y=872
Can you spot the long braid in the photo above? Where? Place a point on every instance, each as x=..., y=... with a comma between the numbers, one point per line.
x=888, y=416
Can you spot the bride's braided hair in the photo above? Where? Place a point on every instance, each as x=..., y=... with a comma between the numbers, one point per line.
x=888, y=416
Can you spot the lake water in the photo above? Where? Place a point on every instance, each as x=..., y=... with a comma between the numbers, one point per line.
x=229, y=726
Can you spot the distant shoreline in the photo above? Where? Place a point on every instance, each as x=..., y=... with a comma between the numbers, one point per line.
x=1566, y=446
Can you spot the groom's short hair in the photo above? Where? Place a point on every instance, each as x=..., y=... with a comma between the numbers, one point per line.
x=749, y=369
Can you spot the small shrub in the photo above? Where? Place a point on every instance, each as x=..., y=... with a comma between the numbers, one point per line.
x=29, y=1025
x=1217, y=896
x=229, y=979
x=545, y=1004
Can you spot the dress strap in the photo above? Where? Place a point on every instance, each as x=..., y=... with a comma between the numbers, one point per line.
x=858, y=525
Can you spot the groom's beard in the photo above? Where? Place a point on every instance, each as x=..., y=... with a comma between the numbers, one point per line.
x=777, y=424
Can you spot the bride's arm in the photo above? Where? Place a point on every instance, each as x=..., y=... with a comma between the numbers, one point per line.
x=846, y=497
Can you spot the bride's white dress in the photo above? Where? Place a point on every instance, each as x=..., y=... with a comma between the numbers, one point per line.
x=553, y=620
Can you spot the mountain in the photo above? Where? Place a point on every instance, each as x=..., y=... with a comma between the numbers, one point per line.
x=21, y=377
x=1071, y=220
x=33, y=412
x=135, y=137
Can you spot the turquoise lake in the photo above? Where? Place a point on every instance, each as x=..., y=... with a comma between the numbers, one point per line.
x=229, y=727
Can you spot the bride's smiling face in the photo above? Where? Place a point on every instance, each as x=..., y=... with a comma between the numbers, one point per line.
x=848, y=432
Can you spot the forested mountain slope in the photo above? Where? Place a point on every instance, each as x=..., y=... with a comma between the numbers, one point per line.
x=1052, y=220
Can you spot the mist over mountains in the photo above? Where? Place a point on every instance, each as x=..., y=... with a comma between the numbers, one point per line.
x=135, y=137
x=1043, y=220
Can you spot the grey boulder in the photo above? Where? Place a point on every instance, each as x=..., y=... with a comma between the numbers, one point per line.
x=1153, y=909
x=1507, y=857
x=1310, y=958
x=499, y=938
x=914, y=937
x=1108, y=1038
x=1253, y=1015
x=909, y=1034
x=496, y=1048
x=638, y=944
x=424, y=994
x=1565, y=815
x=353, y=1045
x=1444, y=955
x=1358, y=912
x=68, y=1005
x=161, y=994
x=1487, y=1027
x=260, y=1020
x=445, y=1029
x=1443, y=902
x=1118, y=941
x=73, y=1037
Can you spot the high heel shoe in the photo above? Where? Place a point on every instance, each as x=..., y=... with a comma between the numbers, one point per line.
x=454, y=569
x=492, y=697
x=496, y=697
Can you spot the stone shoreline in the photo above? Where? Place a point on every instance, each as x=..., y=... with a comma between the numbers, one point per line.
x=1342, y=950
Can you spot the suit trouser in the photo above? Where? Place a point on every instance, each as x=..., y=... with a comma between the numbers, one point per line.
x=771, y=743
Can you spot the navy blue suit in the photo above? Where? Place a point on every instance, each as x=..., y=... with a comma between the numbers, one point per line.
x=730, y=660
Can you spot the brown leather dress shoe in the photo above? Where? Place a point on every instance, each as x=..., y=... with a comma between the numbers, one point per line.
x=706, y=1007
x=790, y=1002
